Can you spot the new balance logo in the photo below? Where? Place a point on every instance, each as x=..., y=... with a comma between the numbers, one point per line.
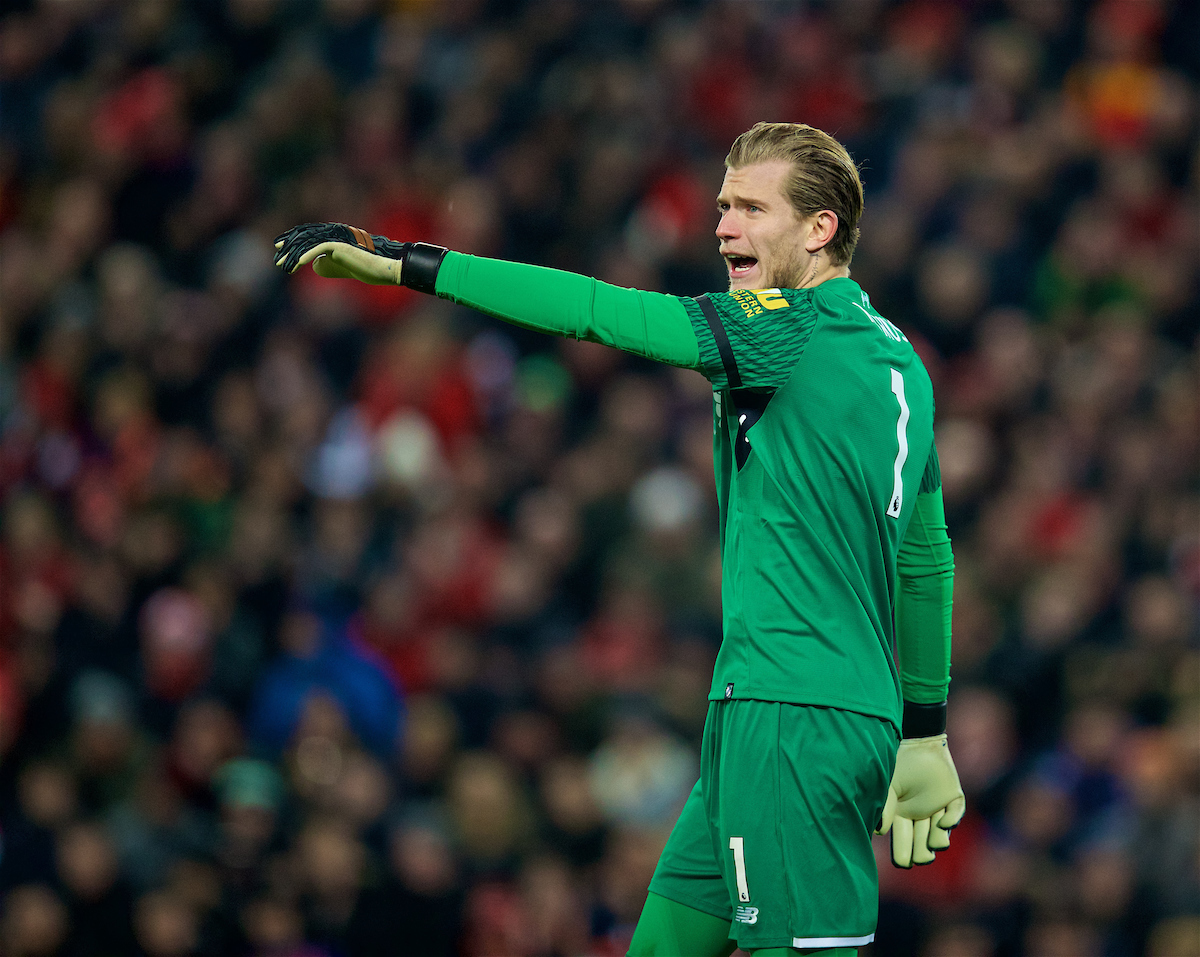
x=746, y=915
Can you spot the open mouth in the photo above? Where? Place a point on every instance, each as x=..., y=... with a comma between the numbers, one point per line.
x=740, y=266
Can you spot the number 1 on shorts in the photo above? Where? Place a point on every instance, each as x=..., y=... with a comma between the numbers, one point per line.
x=738, y=846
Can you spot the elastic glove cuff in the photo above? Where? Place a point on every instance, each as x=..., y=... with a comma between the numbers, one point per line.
x=923, y=720
x=421, y=263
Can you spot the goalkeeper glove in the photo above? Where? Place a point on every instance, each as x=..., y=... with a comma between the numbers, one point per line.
x=338, y=251
x=925, y=800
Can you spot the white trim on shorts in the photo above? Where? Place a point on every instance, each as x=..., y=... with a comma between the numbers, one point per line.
x=812, y=943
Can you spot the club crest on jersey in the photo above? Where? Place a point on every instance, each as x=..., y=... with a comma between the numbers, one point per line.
x=746, y=915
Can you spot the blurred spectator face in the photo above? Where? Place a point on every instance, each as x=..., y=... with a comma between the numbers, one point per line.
x=763, y=249
x=952, y=284
x=967, y=452
x=47, y=794
x=1156, y=614
x=520, y=586
x=1094, y=734
x=35, y=922
x=1175, y=937
x=341, y=532
x=981, y=722
x=1000, y=875
x=274, y=927
x=547, y=521
x=1062, y=939
x=176, y=631
x=960, y=940
x=236, y=414
x=129, y=289
x=102, y=589
x=87, y=861
x=488, y=811
x=557, y=919
x=362, y=791
x=1039, y=813
x=430, y=739
x=421, y=858
x=206, y=736
x=104, y=731
x=197, y=884
x=526, y=738
x=156, y=797
x=889, y=238
x=634, y=409
x=1057, y=606
x=977, y=626
x=29, y=531
x=1151, y=768
x=1104, y=883
x=1011, y=353
x=165, y=925
x=300, y=634
x=470, y=218
x=331, y=861
x=322, y=744
x=565, y=686
x=566, y=793
x=259, y=539
x=249, y=791
x=151, y=542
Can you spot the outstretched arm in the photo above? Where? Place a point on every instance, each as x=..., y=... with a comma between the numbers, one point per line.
x=548, y=300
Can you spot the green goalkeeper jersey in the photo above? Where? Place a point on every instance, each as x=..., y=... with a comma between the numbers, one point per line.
x=823, y=436
x=823, y=451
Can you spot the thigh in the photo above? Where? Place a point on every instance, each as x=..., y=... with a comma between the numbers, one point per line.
x=798, y=791
x=670, y=929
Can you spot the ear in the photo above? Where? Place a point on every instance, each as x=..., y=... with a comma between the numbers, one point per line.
x=821, y=229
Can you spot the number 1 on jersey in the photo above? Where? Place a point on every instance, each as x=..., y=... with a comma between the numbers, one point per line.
x=738, y=846
x=897, y=500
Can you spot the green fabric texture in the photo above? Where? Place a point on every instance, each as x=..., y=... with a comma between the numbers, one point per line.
x=792, y=952
x=670, y=929
x=768, y=330
x=924, y=599
x=562, y=303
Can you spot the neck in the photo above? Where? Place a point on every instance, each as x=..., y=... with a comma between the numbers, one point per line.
x=820, y=269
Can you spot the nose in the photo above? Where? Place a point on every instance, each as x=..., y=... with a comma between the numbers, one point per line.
x=728, y=228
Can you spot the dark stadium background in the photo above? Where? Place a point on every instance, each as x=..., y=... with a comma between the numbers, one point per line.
x=335, y=620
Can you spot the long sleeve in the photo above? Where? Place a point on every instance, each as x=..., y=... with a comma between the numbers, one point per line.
x=924, y=599
x=561, y=303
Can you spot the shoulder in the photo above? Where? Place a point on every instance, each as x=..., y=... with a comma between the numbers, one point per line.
x=845, y=298
x=741, y=305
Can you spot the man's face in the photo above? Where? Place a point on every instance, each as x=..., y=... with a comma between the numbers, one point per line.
x=762, y=235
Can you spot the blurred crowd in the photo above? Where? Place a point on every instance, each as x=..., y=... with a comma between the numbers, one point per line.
x=335, y=620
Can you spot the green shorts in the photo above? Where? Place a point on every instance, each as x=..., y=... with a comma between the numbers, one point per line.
x=776, y=834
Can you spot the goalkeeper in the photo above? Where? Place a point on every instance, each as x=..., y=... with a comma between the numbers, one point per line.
x=831, y=680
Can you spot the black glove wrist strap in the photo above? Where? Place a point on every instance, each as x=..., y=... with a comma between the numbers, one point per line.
x=421, y=263
x=923, y=720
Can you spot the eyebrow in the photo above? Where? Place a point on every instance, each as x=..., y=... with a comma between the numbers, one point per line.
x=741, y=200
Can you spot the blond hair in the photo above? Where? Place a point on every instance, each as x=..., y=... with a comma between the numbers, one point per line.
x=823, y=175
